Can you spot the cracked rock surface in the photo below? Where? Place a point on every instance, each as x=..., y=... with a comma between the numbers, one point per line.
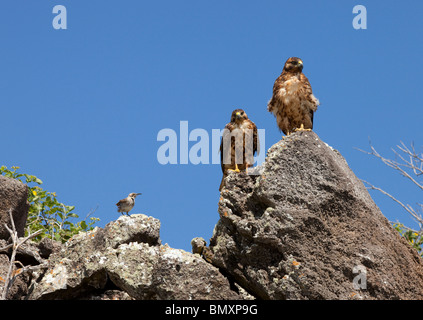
x=307, y=228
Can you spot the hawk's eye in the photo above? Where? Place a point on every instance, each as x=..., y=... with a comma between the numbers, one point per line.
x=242, y=112
x=294, y=62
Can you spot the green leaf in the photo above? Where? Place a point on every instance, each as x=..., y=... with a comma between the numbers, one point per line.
x=84, y=225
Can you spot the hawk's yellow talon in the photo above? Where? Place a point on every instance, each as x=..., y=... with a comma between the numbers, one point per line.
x=236, y=169
x=301, y=128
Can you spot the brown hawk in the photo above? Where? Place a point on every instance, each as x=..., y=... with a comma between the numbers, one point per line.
x=293, y=102
x=238, y=145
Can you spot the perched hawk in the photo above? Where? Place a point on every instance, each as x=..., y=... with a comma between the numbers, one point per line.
x=239, y=144
x=293, y=102
x=126, y=205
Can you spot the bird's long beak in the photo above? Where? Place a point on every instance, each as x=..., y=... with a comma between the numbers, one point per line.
x=139, y=194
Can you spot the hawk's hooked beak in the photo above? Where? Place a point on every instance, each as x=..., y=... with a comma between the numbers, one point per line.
x=238, y=115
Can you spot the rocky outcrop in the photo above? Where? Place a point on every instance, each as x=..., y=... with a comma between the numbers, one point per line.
x=306, y=228
x=13, y=196
x=125, y=260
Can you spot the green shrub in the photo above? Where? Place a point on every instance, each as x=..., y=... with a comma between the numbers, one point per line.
x=412, y=237
x=46, y=212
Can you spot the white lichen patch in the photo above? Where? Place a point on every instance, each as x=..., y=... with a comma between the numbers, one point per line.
x=57, y=277
x=173, y=254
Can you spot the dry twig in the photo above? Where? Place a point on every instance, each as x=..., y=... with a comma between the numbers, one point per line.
x=410, y=165
x=15, y=245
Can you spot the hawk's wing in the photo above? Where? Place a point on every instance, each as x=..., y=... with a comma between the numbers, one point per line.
x=276, y=87
x=224, y=154
x=308, y=94
x=251, y=143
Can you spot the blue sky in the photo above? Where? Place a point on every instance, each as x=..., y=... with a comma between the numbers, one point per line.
x=81, y=108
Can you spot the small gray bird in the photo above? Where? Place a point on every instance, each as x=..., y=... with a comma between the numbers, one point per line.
x=126, y=205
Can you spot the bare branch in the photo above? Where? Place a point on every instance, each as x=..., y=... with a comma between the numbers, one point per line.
x=416, y=161
x=90, y=213
x=6, y=248
x=415, y=164
x=34, y=268
x=16, y=243
x=12, y=221
x=408, y=208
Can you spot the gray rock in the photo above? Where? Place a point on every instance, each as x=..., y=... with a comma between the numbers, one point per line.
x=108, y=295
x=131, y=267
x=307, y=228
x=127, y=255
x=181, y=275
x=14, y=196
x=198, y=245
x=140, y=228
